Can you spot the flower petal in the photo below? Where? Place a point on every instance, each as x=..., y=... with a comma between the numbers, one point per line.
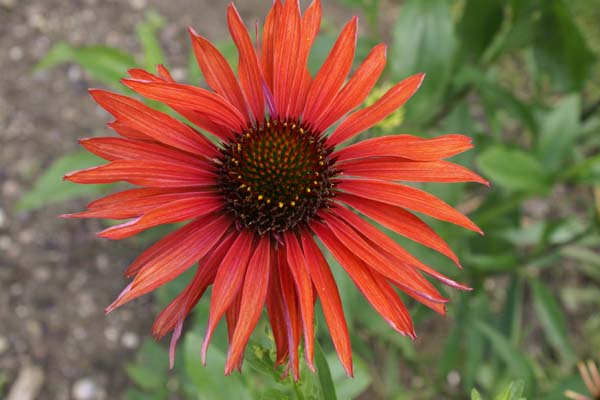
x=248, y=68
x=176, y=211
x=398, y=169
x=368, y=117
x=277, y=318
x=269, y=38
x=287, y=68
x=154, y=124
x=112, y=148
x=299, y=270
x=192, y=98
x=144, y=173
x=330, y=300
x=228, y=281
x=356, y=89
x=253, y=298
x=195, y=240
x=332, y=74
x=291, y=312
x=385, y=301
x=400, y=221
x=407, y=147
x=406, y=197
x=218, y=73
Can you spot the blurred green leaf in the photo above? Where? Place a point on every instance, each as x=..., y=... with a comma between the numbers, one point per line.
x=147, y=33
x=49, y=187
x=480, y=22
x=349, y=388
x=513, y=392
x=475, y=395
x=325, y=380
x=149, y=372
x=106, y=64
x=559, y=129
x=511, y=168
x=424, y=41
x=518, y=366
x=209, y=381
x=552, y=320
x=560, y=50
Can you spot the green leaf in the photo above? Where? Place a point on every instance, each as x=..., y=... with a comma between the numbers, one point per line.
x=424, y=41
x=209, y=382
x=106, y=64
x=517, y=365
x=512, y=169
x=553, y=320
x=147, y=33
x=475, y=395
x=480, y=22
x=559, y=129
x=324, y=374
x=50, y=187
x=560, y=49
x=513, y=392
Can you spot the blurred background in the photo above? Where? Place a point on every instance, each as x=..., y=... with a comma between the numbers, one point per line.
x=519, y=76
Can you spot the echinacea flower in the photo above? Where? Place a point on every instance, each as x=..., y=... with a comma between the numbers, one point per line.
x=591, y=377
x=278, y=181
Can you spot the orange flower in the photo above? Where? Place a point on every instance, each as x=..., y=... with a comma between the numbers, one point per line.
x=278, y=179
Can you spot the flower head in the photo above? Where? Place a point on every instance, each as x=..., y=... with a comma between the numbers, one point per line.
x=279, y=180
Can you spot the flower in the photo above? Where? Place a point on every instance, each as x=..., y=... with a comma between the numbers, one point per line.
x=278, y=180
x=591, y=377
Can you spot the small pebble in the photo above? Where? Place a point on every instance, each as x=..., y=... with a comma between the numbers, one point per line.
x=3, y=344
x=86, y=389
x=130, y=340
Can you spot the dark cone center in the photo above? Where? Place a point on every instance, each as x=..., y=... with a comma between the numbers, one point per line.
x=276, y=176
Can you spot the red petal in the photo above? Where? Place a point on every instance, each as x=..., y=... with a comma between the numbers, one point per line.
x=268, y=42
x=176, y=211
x=311, y=22
x=407, y=146
x=196, y=239
x=330, y=300
x=191, y=98
x=231, y=317
x=406, y=197
x=356, y=90
x=293, y=322
x=287, y=67
x=299, y=270
x=198, y=118
x=112, y=148
x=373, y=286
x=364, y=119
x=389, y=245
x=253, y=298
x=228, y=281
x=276, y=313
x=187, y=300
x=218, y=73
x=248, y=68
x=144, y=173
x=394, y=168
x=127, y=131
x=400, y=221
x=332, y=74
x=154, y=124
x=401, y=274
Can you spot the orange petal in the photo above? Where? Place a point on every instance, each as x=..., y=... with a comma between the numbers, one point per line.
x=291, y=312
x=218, y=73
x=144, y=173
x=356, y=90
x=406, y=197
x=253, y=298
x=228, y=281
x=248, y=68
x=400, y=221
x=154, y=124
x=196, y=239
x=287, y=67
x=398, y=169
x=368, y=117
x=332, y=74
x=330, y=300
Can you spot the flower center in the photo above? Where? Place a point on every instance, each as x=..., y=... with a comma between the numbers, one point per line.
x=276, y=176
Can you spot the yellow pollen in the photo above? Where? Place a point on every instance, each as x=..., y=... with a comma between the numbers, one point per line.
x=315, y=183
x=321, y=163
x=292, y=203
x=268, y=201
x=260, y=197
x=307, y=190
x=280, y=205
x=301, y=130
